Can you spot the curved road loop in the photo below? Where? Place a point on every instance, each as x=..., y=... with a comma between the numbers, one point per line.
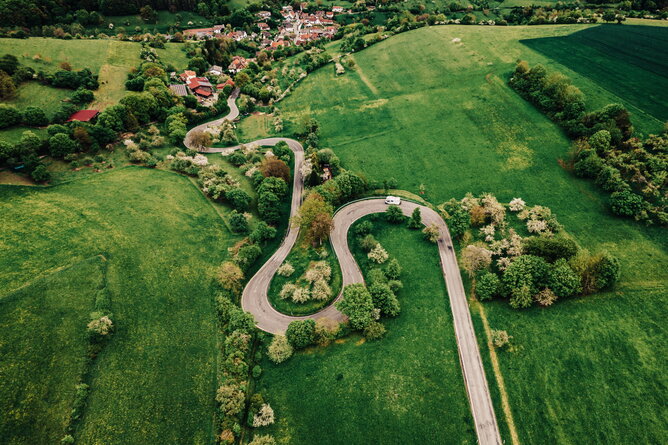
x=255, y=300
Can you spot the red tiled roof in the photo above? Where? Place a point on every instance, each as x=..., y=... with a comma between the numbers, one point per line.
x=83, y=115
x=203, y=92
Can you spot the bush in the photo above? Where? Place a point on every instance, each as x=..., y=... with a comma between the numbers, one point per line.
x=374, y=331
x=563, y=280
x=378, y=254
x=394, y=215
x=523, y=278
x=487, y=286
x=384, y=299
x=9, y=116
x=61, y=145
x=285, y=270
x=35, y=117
x=363, y=228
x=301, y=333
x=550, y=248
x=262, y=232
x=100, y=328
x=257, y=371
x=40, y=174
x=393, y=269
x=264, y=439
x=368, y=243
x=238, y=222
x=238, y=199
x=626, y=203
x=607, y=270
x=247, y=255
x=230, y=276
x=546, y=297
x=279, y=350
x=500, y=339
x=415, y=221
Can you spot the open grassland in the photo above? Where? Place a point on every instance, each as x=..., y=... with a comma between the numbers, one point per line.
x=155, y=381
x=34, y=94
x=406, y=386
x=43, y=344
x=425, y=110
x=631, y=61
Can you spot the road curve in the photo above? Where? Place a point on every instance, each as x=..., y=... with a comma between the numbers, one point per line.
x=233, y=114
x=254, y=298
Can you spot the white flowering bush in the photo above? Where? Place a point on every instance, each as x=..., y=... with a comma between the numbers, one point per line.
x=102, y=326
x=301, y=295
x=200, y=160
x=269, y=154
x=378, y=254
x=287, y=291
x=321, y=290
x=517, y=205
x=307, y=168
x=489, y=232
x=319, y=270
x=503, y=263
x=537, y=226
x=286, y=270
x=264, y=417
x=469, y=201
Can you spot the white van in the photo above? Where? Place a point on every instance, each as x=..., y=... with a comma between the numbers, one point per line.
x=393, y=200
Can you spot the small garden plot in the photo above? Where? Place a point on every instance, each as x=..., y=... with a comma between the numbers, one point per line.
x=306, y=282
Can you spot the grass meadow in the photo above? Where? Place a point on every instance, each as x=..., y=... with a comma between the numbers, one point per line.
x=406, y=386
x=425, y=110
x=155, y=380
x=43, y=347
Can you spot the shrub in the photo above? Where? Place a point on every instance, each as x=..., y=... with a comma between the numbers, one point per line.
x=374, y=331
x=326, y=330
x=500, y=339
x=35, y=117
x=239, y=199
x=264, y=439
x=238, y=222
x=285, y=270
x=487, y=286
x=526, y=271
x=247, y=255
x=384, y=299
x=475, y=258
x=432, y=233
x=230, y=276
x=393, y=269
x=231, y=399
x=301, y=333
x=279, y=349
x=363, y=228
x=9, y=116
x=61, y=145
x=378, y=254
x=626, y=203
x=301, y=294
x=608, y=271
x=415, y=221
x=262, y=232
x=287, y=291
x=40, y=174
x=563, y=280
x=394, y=215
x=100, y=327
x=550, y=248
x=368, y=243
x=321, y=290
x=546, y=297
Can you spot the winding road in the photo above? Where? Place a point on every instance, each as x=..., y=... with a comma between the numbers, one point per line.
x=255, y=300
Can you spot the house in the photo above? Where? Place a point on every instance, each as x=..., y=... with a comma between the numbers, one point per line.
x=264, y=15
x=217, y=29
x=179, y=89
x=337, y=9
x=187, y=75
x=198, y=32
x=200, y=83
x=279, y=43
x=229, y=82
x=83, y=116
x=329, y=14
x=215, y=70
x=237, y=35
x=238, y=64
x=263, y=26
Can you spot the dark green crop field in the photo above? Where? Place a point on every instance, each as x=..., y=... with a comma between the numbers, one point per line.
x=631, y=61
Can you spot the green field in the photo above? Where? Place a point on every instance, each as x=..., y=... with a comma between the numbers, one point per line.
x=631, y=61
x=43, y=321
x=34, y=94
x=155, y=381
x=406, y=386
x=425, y=110
x=110, y=59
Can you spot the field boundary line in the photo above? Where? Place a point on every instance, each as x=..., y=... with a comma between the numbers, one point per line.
x=505, y=404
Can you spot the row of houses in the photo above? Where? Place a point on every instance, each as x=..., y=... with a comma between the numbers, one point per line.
x=198, y=86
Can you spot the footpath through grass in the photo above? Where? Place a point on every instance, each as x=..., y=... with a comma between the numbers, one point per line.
x=426, y=110
x=405, y=386
x=156, y=379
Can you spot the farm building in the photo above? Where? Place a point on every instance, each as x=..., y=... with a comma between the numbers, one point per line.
x=83, y=116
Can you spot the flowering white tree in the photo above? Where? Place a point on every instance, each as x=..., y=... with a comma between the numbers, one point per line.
x=488, y=231
x=101, y=326
x=301, y=295
x=200, y=160
x=537, y=226
x=319, y=270
x=288, y=290
x=475, y=258
x=321, y=290
x=264, y=417
x=306, y=168
x=517, y=205
x=378, y=254
x=286, y=269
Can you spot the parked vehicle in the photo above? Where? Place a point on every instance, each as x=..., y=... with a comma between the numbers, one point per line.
x=393, y=200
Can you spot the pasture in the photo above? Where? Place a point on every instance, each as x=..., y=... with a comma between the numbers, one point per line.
x=155, y=381
x=406, y=385
x=425, y=110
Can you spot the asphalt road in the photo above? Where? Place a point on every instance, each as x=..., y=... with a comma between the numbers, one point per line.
x=255, y=300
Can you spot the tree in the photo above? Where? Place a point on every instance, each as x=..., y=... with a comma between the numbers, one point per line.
x=142, y=105
x=374, y=331
x=487, y=286
x=35, y=117
x=200, y=139
x=263, y=439
x=262, y=232
x=230, y=276
x=238, y=222
x=378, y=254
x=432, y=233
x=301, y=333
x=231, y=399
x=563, y=280
x=546, y=297
x=415, y=221
x=275, y=167
x=274, y=185
x=148, y=15
x=239, y=199
x=61, y=145
x=198, y=64
x=609, y=16
x=247, y=255
x=626, y=203
x=9, y=63
x=523, y=278
x=9, y=116
x=358, y=306
x=550, y=248
x=607, y=271
x=40, y=174
x=393, y=269
x=394, y=214
x=264, y=417
x=500, y=339
x=279, y=349
x=315, y=216
x=7, y=87
x=268, y=206
x=384, y=299
x=29, y=144
x=475, y=258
